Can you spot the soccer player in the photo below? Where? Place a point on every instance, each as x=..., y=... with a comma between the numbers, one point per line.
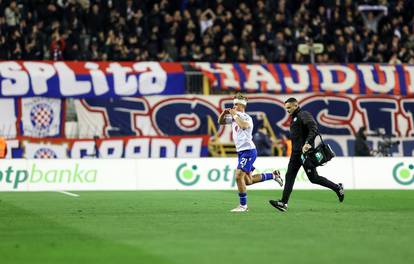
x=303, y=130
x=242, y=127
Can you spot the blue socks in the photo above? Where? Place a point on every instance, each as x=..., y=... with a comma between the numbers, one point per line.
x=243, y=196
x=267, y=176
x=243, y=199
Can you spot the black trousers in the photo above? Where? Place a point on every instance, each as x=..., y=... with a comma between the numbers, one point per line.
x=295, y=163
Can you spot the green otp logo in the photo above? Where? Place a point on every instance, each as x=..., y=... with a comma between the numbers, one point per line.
x=403, y=174
x=190, y=175
x=186, y=175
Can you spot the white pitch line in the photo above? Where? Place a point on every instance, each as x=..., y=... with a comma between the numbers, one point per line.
x=69, y=193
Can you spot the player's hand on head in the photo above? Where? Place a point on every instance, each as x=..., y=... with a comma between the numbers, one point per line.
x=232, y=111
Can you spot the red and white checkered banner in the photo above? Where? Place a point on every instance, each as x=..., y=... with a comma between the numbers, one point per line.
x=41, y=117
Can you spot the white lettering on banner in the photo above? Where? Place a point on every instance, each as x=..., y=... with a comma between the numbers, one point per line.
x=16, y=81
x=124, y=85
x=410, y=85
x=39, y=73
x=327, y=81
x=303, y=76
x=167, y=144
x=152, y=81
x=227, y=70
x=83, y=146
x=189, y=147
x=137, y=148
x=100, y=85
x=69, y=86
x=110, y=149
x=259, y=74
x=409, y=114
x=369, y=78
x=188, y=122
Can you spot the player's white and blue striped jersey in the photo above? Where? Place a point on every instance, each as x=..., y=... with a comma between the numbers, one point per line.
x=242, y=137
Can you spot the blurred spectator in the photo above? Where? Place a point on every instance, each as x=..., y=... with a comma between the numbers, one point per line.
x=206, y=20
x=192, y=30
x=263, y=142
x=96, y=20
x=285, y=144
x=361, y=145
x=57, y=47
x=371, y=21
x=12, y=14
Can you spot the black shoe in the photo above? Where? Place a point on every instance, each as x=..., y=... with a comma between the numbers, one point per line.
x=340, y=192
x=279, y=205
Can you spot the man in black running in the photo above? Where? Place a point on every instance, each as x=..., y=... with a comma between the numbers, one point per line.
x=303, y=130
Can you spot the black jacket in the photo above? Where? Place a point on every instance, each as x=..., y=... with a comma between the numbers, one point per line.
x=303, y=129
x=361, y=145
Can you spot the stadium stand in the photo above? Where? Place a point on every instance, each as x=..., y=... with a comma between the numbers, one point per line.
x=218, y=30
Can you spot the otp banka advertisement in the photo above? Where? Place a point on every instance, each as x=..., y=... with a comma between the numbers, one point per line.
x=44, y=175
x=194, y=174
x=16, y=176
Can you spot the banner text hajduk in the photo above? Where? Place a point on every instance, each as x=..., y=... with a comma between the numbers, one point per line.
x=300, y=78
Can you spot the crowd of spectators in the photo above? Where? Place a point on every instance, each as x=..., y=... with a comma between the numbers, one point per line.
x=215, y=30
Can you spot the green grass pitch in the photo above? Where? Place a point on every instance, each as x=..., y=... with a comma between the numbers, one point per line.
x=197, y=227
